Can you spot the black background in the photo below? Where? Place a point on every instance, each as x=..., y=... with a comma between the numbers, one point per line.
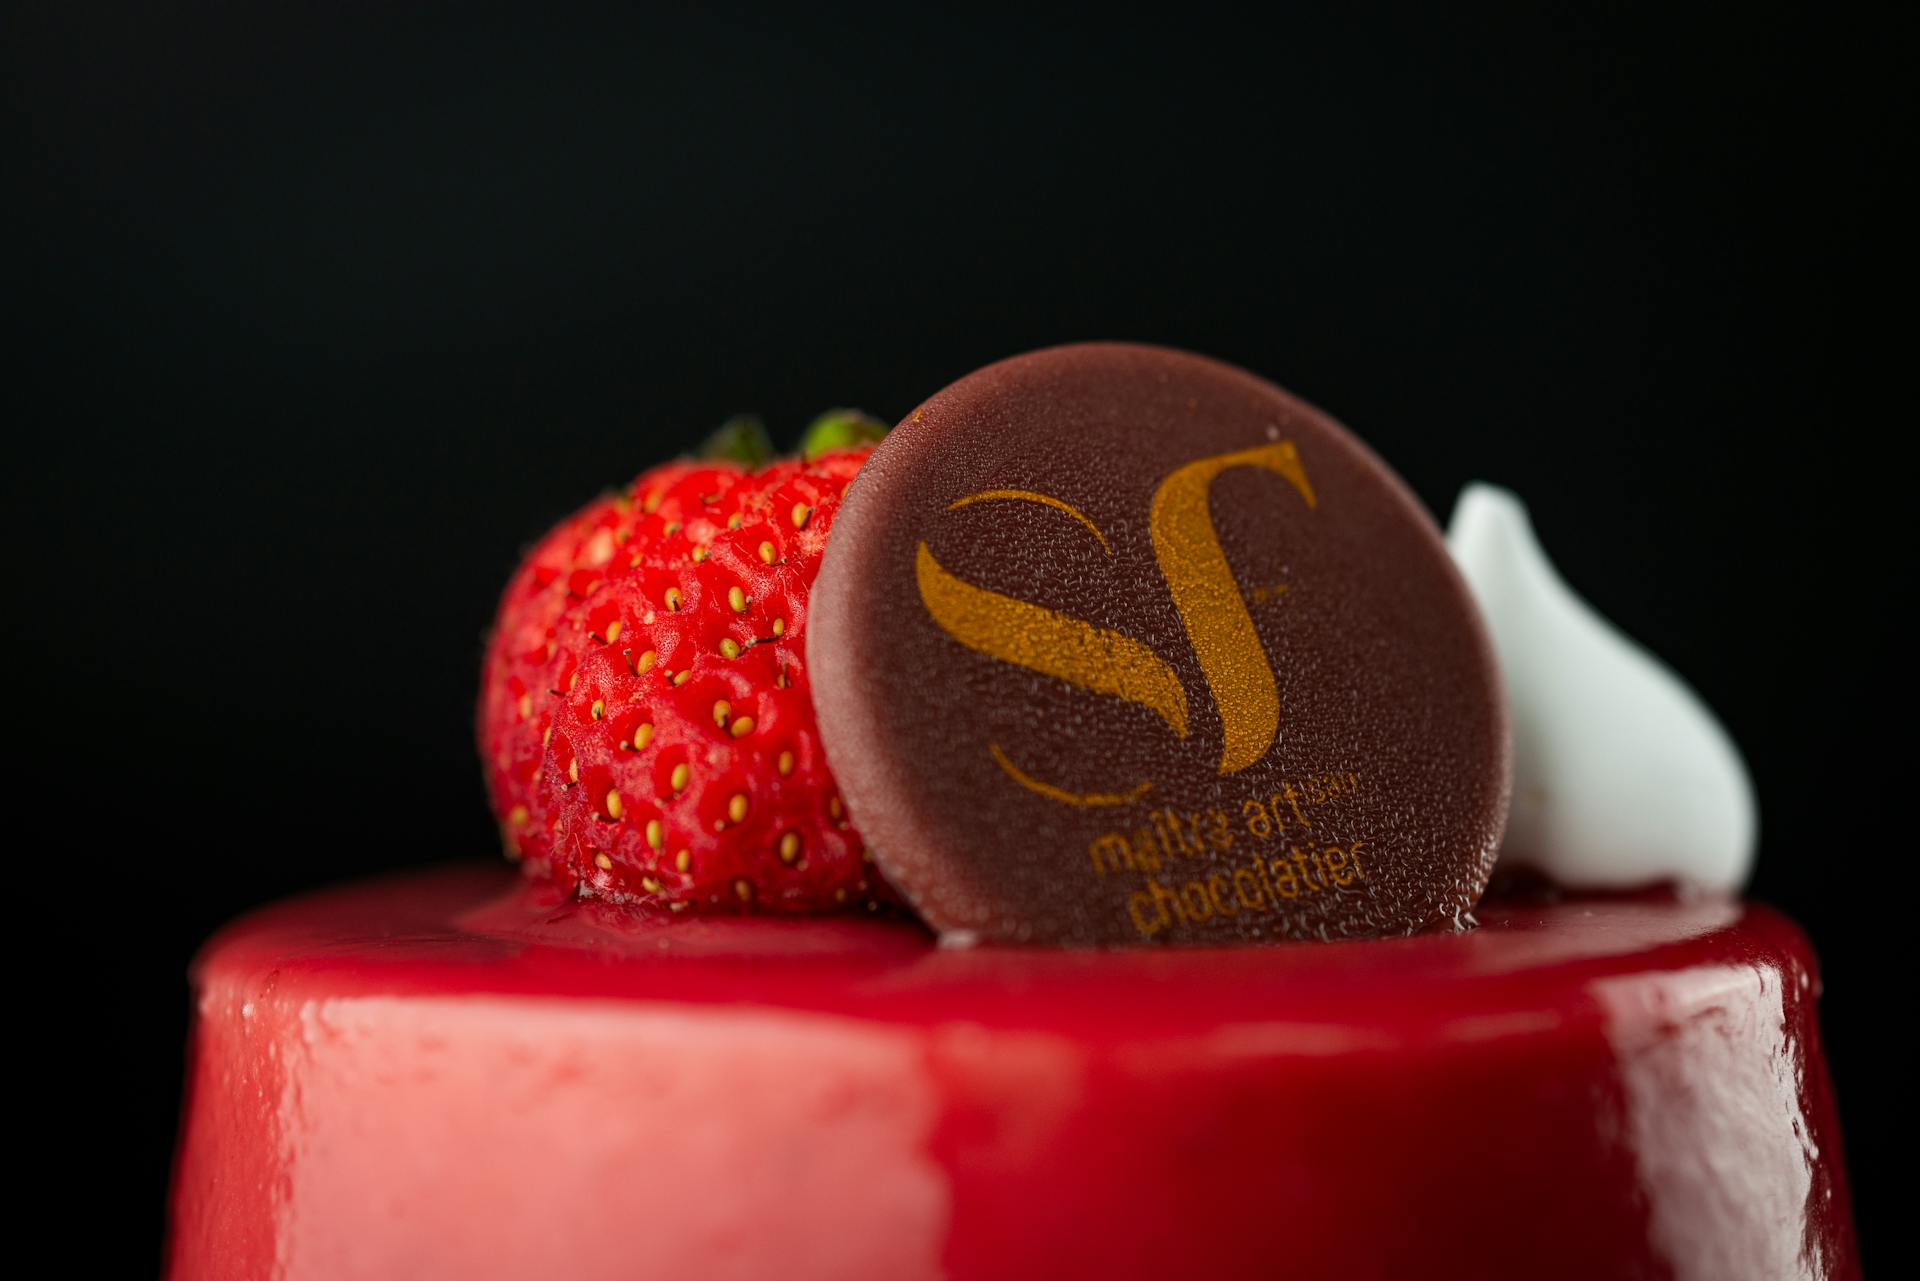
x=324, y=313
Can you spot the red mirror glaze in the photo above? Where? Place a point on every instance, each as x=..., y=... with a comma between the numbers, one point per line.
x=451, y=1074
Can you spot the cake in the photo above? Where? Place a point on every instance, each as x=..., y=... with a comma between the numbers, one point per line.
x=1066, y=1022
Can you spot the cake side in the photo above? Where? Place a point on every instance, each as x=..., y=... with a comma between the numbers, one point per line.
x=446, y=1074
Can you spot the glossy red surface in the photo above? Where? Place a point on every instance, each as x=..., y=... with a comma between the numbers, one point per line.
x=446, y=1075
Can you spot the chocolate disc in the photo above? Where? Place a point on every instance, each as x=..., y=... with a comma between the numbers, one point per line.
x=1114, y=644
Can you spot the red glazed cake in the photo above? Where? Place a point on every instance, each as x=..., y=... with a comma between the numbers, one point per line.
x=453, y=1074
x=1072, y=866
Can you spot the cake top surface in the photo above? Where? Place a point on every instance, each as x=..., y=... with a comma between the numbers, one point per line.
x=472, y=931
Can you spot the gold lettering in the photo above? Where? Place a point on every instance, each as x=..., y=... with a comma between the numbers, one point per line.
x=1061, y=794
x=1211, y=607
x=1168, y=902
x=1284, y=880
x=1217, y=891
x=1040, y=640
x=1260, y=866
x=1160, y=833
x=1337, y=868
x=1193, y=845
x=1028, y=496
x=1110, y=853
x=1218, y=836
x=1153, y=925
x=1294, y=801
x=1146, y=851
x=1250, y=898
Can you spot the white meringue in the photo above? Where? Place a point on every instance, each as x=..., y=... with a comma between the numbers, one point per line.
x=1621, y=775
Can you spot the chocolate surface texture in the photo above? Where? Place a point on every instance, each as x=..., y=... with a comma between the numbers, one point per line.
x=1121, y=645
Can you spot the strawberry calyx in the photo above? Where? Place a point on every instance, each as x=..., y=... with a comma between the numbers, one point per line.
x=840, y=429
x=741, y=439
x=646, y=714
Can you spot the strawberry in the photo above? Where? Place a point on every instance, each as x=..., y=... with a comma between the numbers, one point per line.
x=645, y=715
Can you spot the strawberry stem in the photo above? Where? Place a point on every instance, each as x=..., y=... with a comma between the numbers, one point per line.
x=839, y=429
x=742, y=439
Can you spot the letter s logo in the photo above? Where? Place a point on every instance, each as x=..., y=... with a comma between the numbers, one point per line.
x=1211, y=607
x=1212, y=610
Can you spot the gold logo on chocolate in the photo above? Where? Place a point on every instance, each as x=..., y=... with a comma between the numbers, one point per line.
x=1212, y=610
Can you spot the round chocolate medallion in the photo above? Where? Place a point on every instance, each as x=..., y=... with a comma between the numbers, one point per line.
x=1115, y=644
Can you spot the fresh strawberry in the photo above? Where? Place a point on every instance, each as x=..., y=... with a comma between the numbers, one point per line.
x=645, y=715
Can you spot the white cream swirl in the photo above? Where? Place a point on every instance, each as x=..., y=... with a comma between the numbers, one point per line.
x=1622, y=776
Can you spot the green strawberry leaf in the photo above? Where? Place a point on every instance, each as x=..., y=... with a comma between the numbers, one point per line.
x=839, y=429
